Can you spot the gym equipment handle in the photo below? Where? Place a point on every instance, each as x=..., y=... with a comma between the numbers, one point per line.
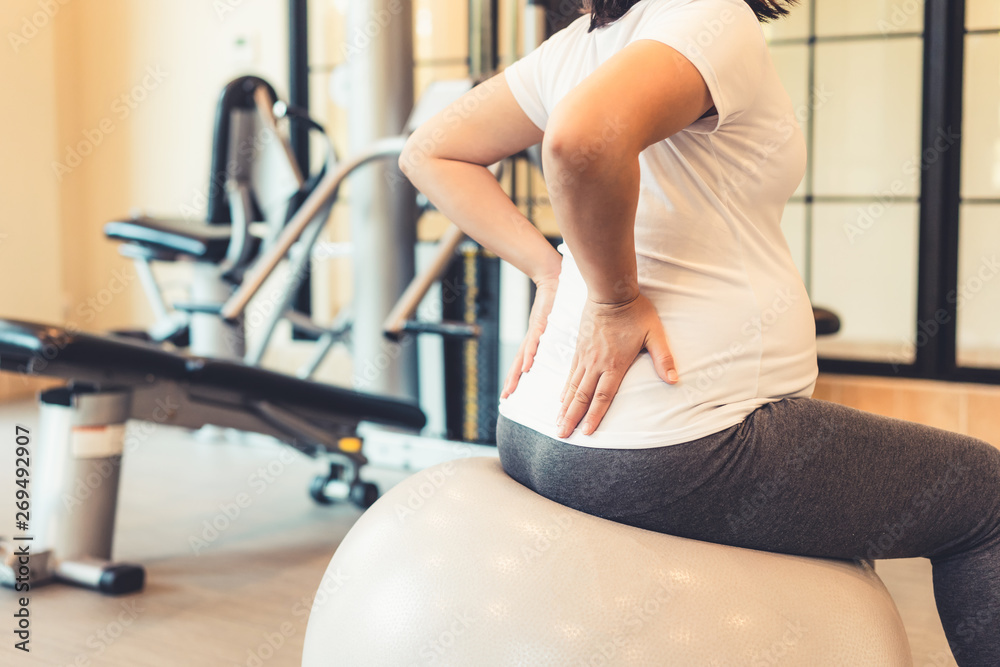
x=390, y=147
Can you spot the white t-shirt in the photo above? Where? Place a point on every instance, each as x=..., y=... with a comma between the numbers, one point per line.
x=710, y=251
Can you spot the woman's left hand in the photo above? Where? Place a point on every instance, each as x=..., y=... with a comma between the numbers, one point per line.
x=611, y=337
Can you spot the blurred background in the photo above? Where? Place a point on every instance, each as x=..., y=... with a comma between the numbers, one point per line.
x=110, y=112
x=897, y=218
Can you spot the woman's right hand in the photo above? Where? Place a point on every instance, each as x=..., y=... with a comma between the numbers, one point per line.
x=545, y=295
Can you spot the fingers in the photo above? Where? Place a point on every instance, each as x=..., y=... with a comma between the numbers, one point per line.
x=523, y=361
x=570, y=385
x=663, y=359
x=607, y=387
x=530, y=349
x=588, y=398
x=525, y=357
x=599, y=364
x=514, y=374
x=513, y=377
x=577, y=401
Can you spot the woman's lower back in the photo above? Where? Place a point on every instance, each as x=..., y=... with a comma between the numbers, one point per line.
x=752, y=343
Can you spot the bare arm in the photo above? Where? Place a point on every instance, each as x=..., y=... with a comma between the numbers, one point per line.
x=643, y=94
x=447, y=160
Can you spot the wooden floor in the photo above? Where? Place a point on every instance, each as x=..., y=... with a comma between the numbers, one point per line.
x=242, y=598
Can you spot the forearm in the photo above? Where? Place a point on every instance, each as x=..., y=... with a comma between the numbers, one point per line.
x=595, y=198
x=470, y=196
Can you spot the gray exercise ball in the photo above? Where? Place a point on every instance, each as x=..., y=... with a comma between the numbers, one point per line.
x=461, y=565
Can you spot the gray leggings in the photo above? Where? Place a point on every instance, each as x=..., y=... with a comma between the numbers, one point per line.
x=808, y=477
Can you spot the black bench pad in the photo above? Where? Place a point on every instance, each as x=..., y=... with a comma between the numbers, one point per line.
x=198, y=240
x=38, y=349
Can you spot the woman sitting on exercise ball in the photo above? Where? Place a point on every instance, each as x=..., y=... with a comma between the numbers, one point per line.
x=666, y=378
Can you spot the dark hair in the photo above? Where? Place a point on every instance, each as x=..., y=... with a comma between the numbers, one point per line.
x=606, y=12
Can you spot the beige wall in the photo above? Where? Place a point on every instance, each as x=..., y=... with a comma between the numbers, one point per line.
x=109, y=109
x=114, y=109
x=30, y=244
x=149, y=150
x=31, y=274
x=150, y=73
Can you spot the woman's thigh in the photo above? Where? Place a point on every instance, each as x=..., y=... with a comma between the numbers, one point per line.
x=798, y=476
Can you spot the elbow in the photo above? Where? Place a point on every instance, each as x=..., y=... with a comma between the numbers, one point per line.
x=408, y=159
x=575, y=148
x=418, y=157
x=561, y=146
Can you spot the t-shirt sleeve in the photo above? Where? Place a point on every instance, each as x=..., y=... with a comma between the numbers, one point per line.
x=724, y=41
x=530, y=78
x=525, y=78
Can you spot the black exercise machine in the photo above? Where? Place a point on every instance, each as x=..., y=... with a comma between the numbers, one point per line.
x=113, y=380
x=255, y=187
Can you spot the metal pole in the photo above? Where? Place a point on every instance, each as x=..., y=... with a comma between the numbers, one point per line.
x=298, y=95
x=482, y=38
x=940, y=187
x=325, y=190
x=298, y=76
x=379, y=54
x=81, y=440
x=535, y=29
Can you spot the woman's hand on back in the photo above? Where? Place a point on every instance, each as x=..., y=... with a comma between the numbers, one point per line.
x=545, y=296
x=611, y=337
